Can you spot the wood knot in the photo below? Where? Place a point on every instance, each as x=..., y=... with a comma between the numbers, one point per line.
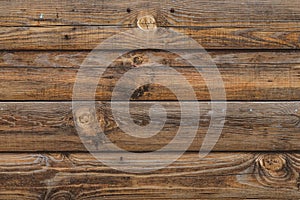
x=273, y=163
x=147, y=23
x=275, y=170
x=137, y=60
x=85, y=118
x=60, y=195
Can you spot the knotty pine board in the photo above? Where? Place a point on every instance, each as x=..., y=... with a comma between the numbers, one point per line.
x=249, y=126
x=284, y=36
x=64, y=25
x=246, y=75
x=219, y=175
x=171, y=13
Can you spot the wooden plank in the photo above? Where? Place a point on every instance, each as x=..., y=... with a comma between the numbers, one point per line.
x=73, y=59
x=284, y=36
x=218, y=25
x=249, y=126
x=219, y=175
x=246, y=75
x=168, y=12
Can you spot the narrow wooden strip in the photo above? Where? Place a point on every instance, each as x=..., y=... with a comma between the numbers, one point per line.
x=168, y=12
x=246, y=75
x=218, y=175
x=73, y=59
x=284, y=36
x=256, y=126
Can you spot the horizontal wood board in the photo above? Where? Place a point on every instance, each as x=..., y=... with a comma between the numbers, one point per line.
x=219, y=175
x=248, y=126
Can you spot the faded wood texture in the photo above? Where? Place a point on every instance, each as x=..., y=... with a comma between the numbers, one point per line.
x=285, y=36
x=246, y=75
x=249, y=126
x=184, y=13
x=255, y=45
x=215, y=25
x=219, y=175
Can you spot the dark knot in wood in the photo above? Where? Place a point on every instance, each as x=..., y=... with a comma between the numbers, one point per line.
x=137, y=60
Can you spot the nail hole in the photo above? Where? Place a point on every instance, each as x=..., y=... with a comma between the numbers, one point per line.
x=128, y=10
x=172, y=10
x=67, y=37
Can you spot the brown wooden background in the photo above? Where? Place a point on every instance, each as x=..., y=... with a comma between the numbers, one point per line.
x=255, y=44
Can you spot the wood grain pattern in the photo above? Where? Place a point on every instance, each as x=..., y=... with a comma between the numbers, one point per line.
x=219, y=175
x=246, y=75
x=215, y=25
x=73, y=59
x=249, y=126
x=169, y=13
x=285, y=36
x=255, y=45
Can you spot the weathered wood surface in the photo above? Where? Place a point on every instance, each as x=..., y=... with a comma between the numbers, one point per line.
x=73, y=59
x=219, y=175
x=88, y=37
x=246, y=75
x=215, y=25
x=255, y=45
x=249, y=126
x=173, y=13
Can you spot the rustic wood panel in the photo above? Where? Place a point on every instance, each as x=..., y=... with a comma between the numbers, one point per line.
x=218, y=25
x=219, y=175
x=255, y=45
x=249, y=126
x=284, y=36
x=246, y=75
x=168, y=12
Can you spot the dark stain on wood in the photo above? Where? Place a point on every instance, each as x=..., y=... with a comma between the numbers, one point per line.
x=140, y=92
